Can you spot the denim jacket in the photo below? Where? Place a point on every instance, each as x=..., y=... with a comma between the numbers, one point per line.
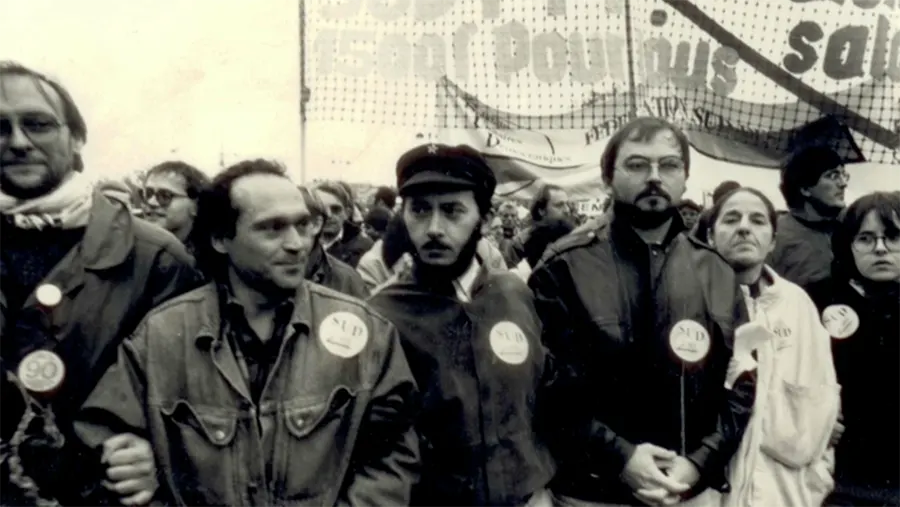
x=338, y=404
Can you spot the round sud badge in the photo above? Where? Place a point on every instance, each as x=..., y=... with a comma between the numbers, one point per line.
x=41, y=372
x=840, y=321
x=343, y=334
x=48, y=295
x=689, y=340
x=509, y=342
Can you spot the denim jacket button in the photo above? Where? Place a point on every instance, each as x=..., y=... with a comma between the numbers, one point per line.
x=219, y=434
x=299, y=421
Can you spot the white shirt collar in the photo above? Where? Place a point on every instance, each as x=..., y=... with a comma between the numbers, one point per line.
x=464, y=283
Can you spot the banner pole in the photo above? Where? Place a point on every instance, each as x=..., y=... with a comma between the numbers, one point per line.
x=629, y=44
x=304, y=92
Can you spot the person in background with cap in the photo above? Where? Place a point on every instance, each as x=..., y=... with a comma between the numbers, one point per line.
x=384, y=198
x=643, y=318
x=472, y=339
x=690, y=212
x=813, y=183
x=262, y=388
x=77, y=273
x=322, y=268
x=341, y=236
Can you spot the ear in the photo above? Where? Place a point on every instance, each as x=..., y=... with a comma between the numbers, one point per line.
x=218, y=245
x=77, y=145
x=318, y=222
x=709, y=238
x=805, y=192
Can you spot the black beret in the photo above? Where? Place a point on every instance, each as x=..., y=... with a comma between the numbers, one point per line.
x=438, y=166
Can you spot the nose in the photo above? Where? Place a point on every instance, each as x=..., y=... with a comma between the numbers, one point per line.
x=654, y=174
x=292, y=240
x=435, y=226
x=880, y=246
x=18, y=140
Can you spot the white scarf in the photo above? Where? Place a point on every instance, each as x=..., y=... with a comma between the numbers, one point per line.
x=68, y=206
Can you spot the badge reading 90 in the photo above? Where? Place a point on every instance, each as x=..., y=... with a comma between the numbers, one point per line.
x=689, y=340
x=41, y=371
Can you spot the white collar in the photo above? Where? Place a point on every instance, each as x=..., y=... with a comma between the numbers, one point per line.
x=464, y=283
x=328, y=244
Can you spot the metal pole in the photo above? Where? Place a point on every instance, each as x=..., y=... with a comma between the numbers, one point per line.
x=303, y=91
x=629, y=44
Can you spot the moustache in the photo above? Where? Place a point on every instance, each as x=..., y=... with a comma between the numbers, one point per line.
x=653, y=190
x=19, y=161
x=435, y=245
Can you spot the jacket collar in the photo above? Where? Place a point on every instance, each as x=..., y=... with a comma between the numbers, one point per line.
x=108, y=242
x=109, y=236
x=319, y=266
x=301, y=316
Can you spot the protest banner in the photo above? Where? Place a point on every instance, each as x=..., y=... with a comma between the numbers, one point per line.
x=539, y=85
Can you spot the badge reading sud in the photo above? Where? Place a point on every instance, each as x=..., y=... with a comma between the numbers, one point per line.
x=840, y=321
x=509, y=343
x=41, y=371
x=343, y=334
x=689, y=340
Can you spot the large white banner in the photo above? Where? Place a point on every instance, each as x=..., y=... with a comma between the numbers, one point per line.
x=539, y=85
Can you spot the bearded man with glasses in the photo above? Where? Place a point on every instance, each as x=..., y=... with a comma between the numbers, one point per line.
x=169, y=199
x=77, y=274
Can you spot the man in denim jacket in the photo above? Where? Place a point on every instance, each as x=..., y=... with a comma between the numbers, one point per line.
x=262, y=388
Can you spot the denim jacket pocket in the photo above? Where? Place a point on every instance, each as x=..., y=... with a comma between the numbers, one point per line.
x=199, y=442
x=317, y=438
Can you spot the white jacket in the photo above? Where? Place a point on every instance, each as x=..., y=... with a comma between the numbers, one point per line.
x=784, y=458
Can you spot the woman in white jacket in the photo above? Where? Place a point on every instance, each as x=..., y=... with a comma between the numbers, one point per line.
x=786, y=456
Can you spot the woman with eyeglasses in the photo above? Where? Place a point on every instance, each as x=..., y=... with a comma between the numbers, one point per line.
x=785, y=455
x=859, y=306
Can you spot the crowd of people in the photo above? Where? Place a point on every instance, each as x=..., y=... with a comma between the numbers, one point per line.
x=247, y=340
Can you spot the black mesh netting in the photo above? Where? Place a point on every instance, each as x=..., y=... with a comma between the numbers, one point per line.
x=749, y=80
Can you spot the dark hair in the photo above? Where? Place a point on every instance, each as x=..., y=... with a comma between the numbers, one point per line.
x=641, y=129
x=377, y=218
x=194, y=179
x=217, y=215
x=716, y=208
x=803, y=170
x=395, y=241
x=386, y=196
x=541, y=200
x=689, y=204
x=340, y=190
x=886, y=206
x=313, y=203
x=724, y=189
x=543, y=235
x=72, y=115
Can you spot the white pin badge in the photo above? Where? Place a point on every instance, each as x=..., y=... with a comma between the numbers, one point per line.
x=343, y=334
x=509, y=343
x=41, y=371
x=48, y=295
x=840, y=321
x=689, y=340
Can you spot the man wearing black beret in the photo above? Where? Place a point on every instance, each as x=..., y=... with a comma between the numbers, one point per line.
x=472, y=337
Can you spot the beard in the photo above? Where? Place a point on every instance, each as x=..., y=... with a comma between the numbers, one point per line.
x=441, y=277
x=640, y=218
